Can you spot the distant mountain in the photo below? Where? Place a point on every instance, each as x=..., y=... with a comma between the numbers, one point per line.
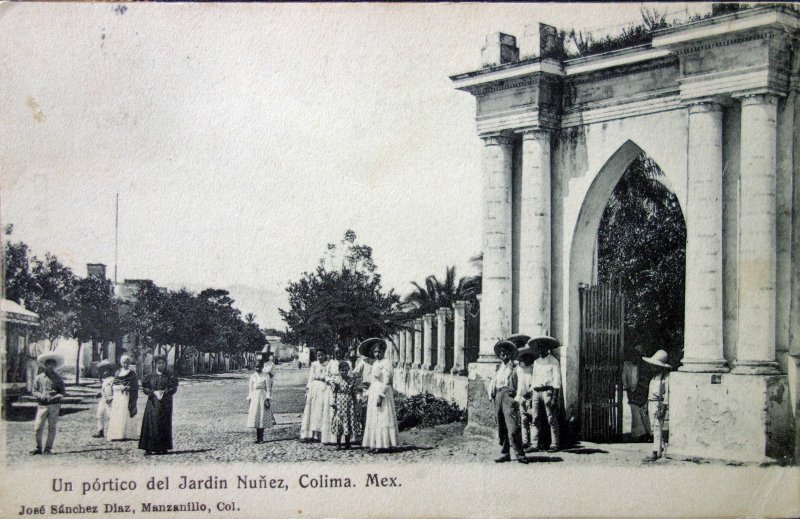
x=262, y=302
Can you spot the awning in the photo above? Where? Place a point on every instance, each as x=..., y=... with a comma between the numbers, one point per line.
x=16, y=313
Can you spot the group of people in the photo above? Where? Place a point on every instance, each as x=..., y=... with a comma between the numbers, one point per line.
x=345, y=405
x=116, y=406
x=646, y=383
x=522, y=391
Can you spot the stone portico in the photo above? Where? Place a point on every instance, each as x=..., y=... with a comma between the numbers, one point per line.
x=714, y=104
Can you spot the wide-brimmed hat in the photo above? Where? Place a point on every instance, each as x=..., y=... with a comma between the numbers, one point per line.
x=527, y=354
x=506, y=345
x=365, y=348
x=659, y=359
x=105, y=364
x=544, y=340
x=519, y=339
x=50, y=355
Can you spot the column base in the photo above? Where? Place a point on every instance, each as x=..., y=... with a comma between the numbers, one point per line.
x=755, y=367
x=438, y=369
x=691, y=365
x=730, y=417
x=426, y=367
x=415, y=366
x=458, y=370
x=480, y=409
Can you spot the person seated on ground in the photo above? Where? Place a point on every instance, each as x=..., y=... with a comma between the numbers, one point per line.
x=546, y=383
x=502, y=390
x=658, y=401
x=260, y=414
x=345, y=421
x=381, y=432
x=48, y=390
x=105, y=396
x=159, y=386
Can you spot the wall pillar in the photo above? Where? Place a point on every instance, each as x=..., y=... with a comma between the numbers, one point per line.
x=441, y=340
x=409, y=345
x=417, y=343
x=496, y=304
x=755, y=352
x=427, y=341
x=459, y=336
x=703, y=351
x=534, y=236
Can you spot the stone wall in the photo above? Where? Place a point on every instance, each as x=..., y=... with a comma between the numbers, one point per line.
x=415, y=381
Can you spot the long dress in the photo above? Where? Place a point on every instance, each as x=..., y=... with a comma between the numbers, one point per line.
x=315, y=401
x=157, y=421
x=259, y=392
x=381, y=430
x=125, y=389
x=332, y=369
x=345, y=420
x=363, y=374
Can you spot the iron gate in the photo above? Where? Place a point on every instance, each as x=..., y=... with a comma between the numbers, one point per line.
x=602, y=341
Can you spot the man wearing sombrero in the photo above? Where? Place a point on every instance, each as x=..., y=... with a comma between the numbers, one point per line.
x=546, y=383
x=502, y=391
x=48, y=389
x=658, y=400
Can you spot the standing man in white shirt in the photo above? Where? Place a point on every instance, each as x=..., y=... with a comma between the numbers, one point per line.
x=546, y=383
x=502, y=391
x=658, y=401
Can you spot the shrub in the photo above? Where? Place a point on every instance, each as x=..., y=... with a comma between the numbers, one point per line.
x=426, y=410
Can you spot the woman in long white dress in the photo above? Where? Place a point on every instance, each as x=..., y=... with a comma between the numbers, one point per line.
x=316, y=399
x=260, y=415
x=125, y=390
x=380, y=432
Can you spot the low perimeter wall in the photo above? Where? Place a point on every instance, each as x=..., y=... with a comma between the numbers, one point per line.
x=414, y=381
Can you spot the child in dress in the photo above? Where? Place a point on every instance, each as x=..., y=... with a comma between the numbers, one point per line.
x=345, y=419
x=105, y=396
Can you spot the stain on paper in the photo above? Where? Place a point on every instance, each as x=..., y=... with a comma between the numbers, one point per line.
x=36, y=110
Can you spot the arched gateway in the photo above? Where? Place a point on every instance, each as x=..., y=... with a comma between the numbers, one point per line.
x=714, y=104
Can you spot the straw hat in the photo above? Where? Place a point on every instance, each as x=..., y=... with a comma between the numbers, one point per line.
x=51, y=355
x=659, y=359
x=506, y=345
x=544, y=340
x=365, y=348
x=519, y=339
x=527, y=354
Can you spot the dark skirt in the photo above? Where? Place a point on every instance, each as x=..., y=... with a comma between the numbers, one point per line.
x=157, y=425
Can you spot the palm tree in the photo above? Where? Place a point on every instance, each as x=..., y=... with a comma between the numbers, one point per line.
x=441, y=294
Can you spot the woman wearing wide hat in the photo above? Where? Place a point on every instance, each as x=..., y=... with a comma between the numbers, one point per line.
x=658, y=400
x=48, y=389
x=125, y=389
x=380, y=431
x=502, y=390
x=260, y=415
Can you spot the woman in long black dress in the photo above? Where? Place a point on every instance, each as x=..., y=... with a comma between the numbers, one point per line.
x=159, y=386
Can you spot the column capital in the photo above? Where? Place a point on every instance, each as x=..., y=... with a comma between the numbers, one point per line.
x=763, y=98
x=705, y=105
x=428, y=318
x=443, y=312
x=497, y=140
x=536, y=134
x=460, y=305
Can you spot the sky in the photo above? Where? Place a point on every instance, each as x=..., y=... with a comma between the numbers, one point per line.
x=242, y=139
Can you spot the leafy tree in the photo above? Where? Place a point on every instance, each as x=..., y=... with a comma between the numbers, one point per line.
x=97, y=317
x=642, y=249
x=141, y=316
x=342, y=302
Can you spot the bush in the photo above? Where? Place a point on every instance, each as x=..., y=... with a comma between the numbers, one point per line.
x=426, y=410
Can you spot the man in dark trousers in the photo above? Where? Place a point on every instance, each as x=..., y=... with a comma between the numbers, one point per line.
x=502, y=391
x=48, y=389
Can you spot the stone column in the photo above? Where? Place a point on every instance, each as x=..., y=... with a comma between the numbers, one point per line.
x=441, y=342
x=417, y=343
x=703, y=303
x=534, y=235
x=459, y=335
x=755, y=346
x=497, y=282
x=427, y=341
x=401, y=343
x=409, y=345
